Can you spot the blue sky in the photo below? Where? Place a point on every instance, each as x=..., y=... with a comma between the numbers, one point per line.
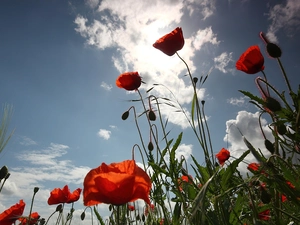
x=60, y=59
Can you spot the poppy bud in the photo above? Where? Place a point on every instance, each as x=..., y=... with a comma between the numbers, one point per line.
x=58, y=208
x=265, y=197
x=281, y=129
x=269, y=145
x=151, y=115
x=82, y=216
x=125, y=115
x=36, y=189
x=3, y=172
x=195, y=80
x=150, y=146
x=272, y=104
x=202, y=102
x=273, y=50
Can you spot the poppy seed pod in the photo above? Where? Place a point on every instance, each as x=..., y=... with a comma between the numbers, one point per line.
x=125, y=115
x=151, y=115
x=272, y=104
x=273, y=50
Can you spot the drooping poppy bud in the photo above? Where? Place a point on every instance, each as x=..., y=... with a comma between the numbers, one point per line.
x=273, y=50
x=265, y=197
x=151, y=115
x=272, y=104
x=281, y=129
x=3, y=172
x=36, y=189
x=82, y=216
x=269, y=145
x=125, y=115
x=150, y=146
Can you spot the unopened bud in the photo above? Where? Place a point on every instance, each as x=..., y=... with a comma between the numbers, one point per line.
x=281, y=129
x=272, y=104
x=36, y=189
x=125, y=115
x=195, y=80
x=269, y=145
x=3, y=172
x=59, y=208
x=273, y=50
x=265, y=197
x=82, y=216
x=150, y=146
x=151, y=115
x=202, y=102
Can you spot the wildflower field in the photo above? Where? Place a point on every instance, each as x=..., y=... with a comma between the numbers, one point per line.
x=172, y=191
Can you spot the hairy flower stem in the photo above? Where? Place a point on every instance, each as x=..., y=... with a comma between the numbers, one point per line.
x=202, y=132
x=284, y=75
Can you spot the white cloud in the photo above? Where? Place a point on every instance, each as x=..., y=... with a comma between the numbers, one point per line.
x=105, y=134
x=27, y=141
x=36, y=168
x=92, y=3
x=237, y=101
x=247, y=123
x=204, y=36
x=121, y=26
x=285, y=17
x=106, y=86
x=222, y=61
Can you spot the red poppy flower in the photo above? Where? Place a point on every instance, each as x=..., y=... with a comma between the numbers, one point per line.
x=264, y=215
x=33, y=219
x=10, y=215
x=185, y=179
x=251, y=61
x=253, y=166
x=170, y=43
x=223, y=155
x=64, y=195
x=116, y=183
x=129, y=81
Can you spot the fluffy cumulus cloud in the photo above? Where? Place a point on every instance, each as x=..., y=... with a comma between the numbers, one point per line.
x=284, y=16
x=121, y=25
x=105, y=134
x=247, y=124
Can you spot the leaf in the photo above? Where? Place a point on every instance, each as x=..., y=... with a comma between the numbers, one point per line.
x=175, y=146
x=253, y=97
x=149, y=90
